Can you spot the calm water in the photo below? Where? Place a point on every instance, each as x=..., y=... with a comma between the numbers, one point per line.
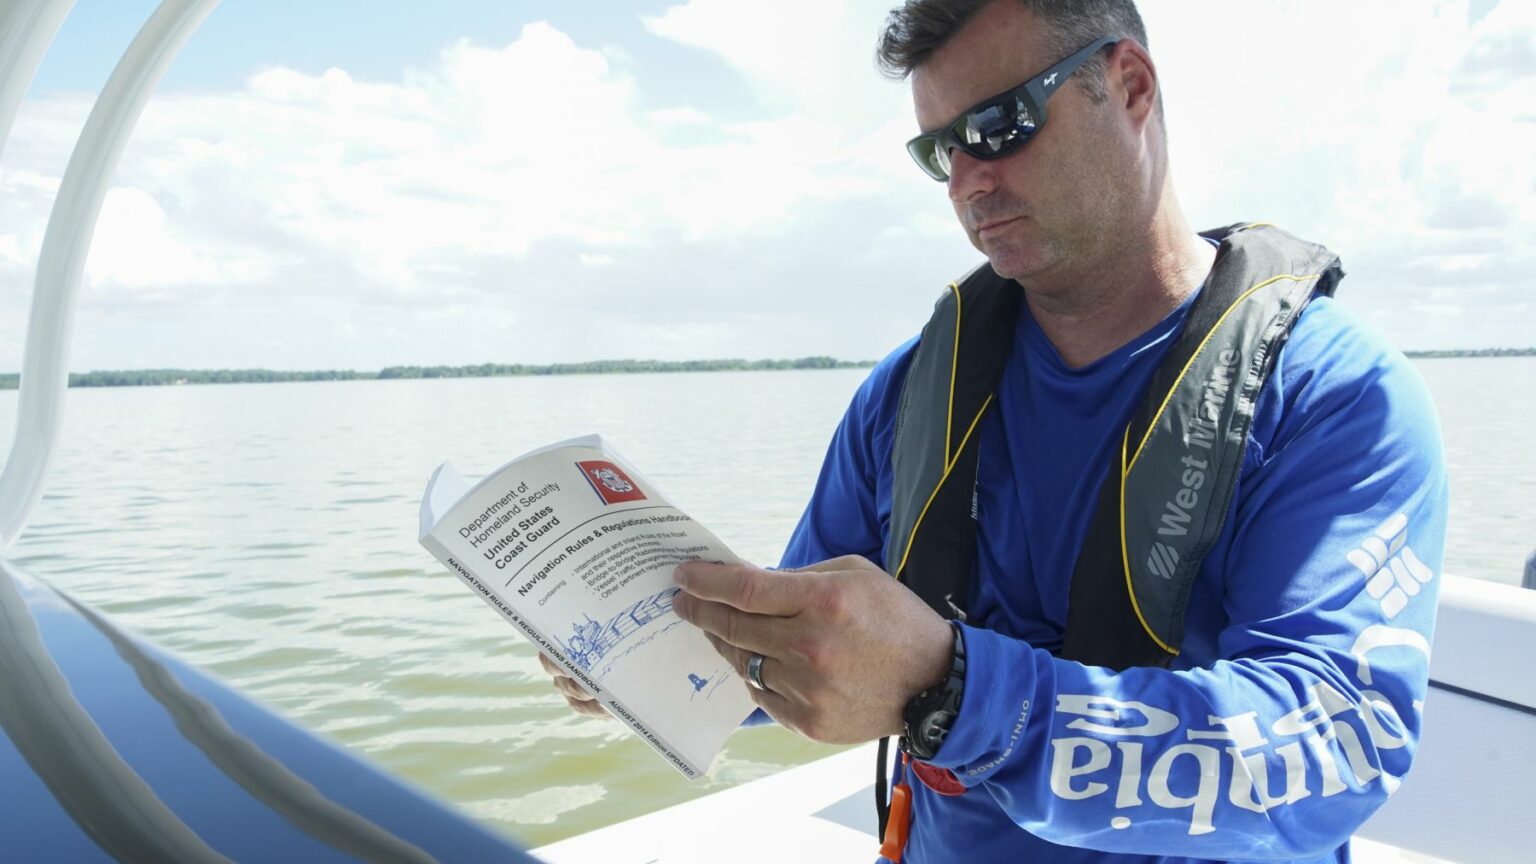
x=267, y=534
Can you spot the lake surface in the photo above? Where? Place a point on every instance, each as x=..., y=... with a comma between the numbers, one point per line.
x=267, y=533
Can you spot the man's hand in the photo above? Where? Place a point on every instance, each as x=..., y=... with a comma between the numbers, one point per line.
x=580, y=700
x=845, y=645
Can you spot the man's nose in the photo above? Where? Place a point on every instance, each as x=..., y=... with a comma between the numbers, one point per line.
x=969, y=177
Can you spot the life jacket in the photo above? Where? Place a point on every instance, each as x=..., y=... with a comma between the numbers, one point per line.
x=1155, y=518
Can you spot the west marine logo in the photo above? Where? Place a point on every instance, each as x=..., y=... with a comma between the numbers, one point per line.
x=1200, y=430
x=1393, y=573
x=1163, y=560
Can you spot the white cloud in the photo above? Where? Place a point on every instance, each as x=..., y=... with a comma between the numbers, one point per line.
x=684, y=116
x=809, y=57
x=137, y=248
x=486, y=199
x=433, y=192
x=1366, y=134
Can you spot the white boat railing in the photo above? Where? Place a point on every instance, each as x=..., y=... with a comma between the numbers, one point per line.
x=28, y=28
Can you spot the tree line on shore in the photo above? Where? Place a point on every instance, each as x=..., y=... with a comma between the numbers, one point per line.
x=159, y=377
x=1475, y=352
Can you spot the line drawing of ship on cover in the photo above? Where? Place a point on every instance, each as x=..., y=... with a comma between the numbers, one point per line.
x=590, y=641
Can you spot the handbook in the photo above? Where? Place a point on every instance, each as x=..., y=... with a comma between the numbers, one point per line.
x=575, y=548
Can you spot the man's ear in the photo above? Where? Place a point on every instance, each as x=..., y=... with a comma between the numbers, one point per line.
x=1130, y=77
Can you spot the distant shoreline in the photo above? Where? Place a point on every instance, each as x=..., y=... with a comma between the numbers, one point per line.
x=171, y=377
x=167, y=377
x=1479, y=352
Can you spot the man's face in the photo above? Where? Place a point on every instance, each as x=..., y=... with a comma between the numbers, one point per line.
x=1047, y=203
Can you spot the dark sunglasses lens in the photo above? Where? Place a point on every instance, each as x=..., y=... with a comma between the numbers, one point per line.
x=988, y=132
x=932, y=157
x=996, y=129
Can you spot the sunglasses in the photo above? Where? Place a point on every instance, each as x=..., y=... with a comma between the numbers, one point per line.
x=995, y=127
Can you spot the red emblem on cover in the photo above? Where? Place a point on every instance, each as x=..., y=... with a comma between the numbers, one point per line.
x=610, y=482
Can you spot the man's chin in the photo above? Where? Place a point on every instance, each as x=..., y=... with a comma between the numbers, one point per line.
x=1012, y=262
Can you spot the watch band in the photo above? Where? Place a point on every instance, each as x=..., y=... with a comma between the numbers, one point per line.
x=928, y=716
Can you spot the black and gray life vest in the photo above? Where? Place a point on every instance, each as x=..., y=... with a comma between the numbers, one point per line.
x=1166, y=495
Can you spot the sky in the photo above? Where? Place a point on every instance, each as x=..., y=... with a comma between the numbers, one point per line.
x=358, y=183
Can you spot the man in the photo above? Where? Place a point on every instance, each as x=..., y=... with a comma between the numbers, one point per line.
x=1286, y=706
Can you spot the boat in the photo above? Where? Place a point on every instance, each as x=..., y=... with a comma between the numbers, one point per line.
x=111, y=749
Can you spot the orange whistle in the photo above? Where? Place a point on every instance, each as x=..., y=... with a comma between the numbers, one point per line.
x=898, y=824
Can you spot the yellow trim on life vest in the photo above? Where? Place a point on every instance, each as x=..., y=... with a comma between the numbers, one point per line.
x=954, y=365
x=1125, y=556
x=949, y=465
x=1182, y=372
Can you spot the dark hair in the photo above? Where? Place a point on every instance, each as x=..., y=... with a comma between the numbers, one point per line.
x=917, y=28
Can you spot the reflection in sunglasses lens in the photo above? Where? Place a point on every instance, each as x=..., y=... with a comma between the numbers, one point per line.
x=932, y=155
x=1002, y=130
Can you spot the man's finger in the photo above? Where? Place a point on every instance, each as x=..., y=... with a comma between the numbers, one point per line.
x=744, y=587
x=741, y=629
x=835, y=565
x=737, y=658
x=571, y=690
x=776, y=705
x=773, y=674
x=589, y=708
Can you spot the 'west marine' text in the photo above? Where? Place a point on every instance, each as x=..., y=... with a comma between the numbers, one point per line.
x=1200, y=432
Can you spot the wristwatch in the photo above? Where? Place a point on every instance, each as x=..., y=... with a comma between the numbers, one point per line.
x=928, y=716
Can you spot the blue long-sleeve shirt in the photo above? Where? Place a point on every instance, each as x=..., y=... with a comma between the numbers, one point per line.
x=1294, y=707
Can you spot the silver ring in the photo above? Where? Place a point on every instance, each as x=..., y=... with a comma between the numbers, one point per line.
x=755, y=671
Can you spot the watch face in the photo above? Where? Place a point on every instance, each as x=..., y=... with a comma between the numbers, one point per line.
x=931, y=726
x=930, y=734
x=928, y=717
x=936, y=727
